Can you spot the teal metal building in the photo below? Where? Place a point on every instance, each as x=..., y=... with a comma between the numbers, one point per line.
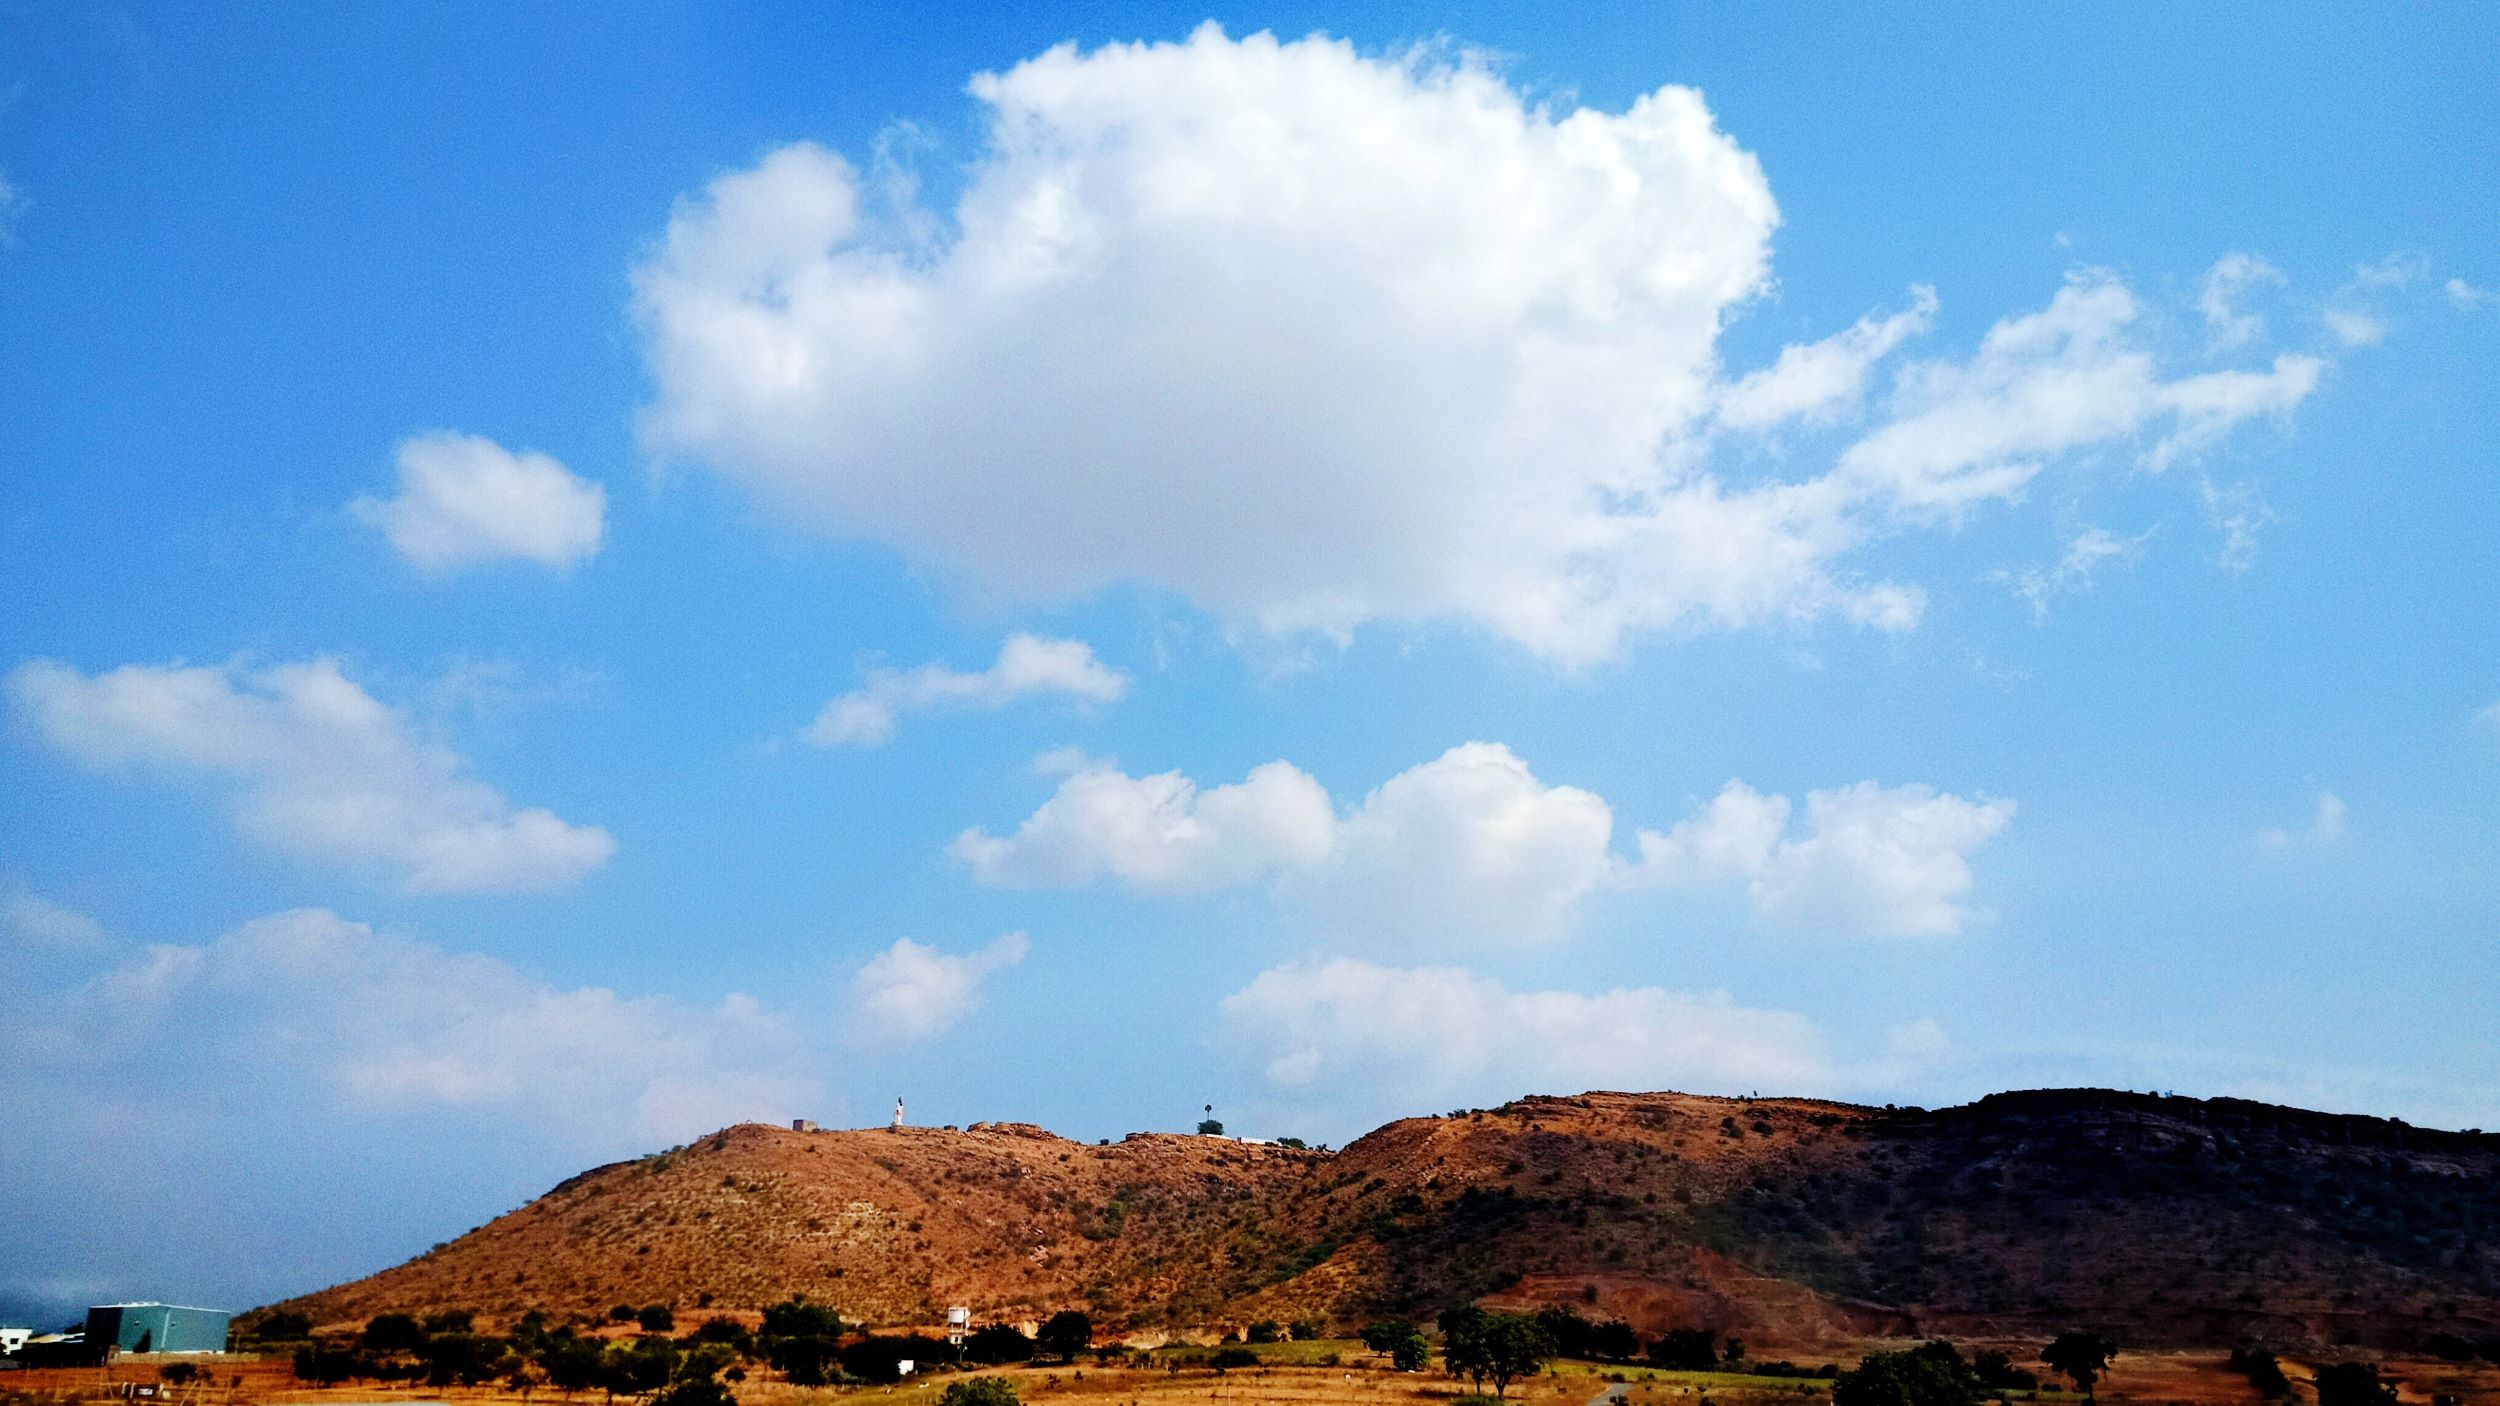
x=155, y=1327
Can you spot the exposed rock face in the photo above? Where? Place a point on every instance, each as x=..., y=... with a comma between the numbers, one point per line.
x=2167, y=1220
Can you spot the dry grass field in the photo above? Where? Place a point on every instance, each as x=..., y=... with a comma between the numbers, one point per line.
x=2148, y=1379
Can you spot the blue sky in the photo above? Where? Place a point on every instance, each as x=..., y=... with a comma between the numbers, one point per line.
x=573, y=578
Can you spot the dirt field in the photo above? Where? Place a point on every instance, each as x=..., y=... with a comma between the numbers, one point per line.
x=2188, y=1379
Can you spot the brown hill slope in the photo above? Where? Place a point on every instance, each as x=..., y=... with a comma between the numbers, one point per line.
x=2168, y=1220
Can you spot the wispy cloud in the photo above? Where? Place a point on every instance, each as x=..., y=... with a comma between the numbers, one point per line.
x=1027, y=665
x=317, y=768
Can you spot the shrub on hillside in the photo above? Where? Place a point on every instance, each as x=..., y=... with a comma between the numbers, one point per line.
x=656, y=1318
x=2262, y=1371
x=393, y=1332
x=2354, y=1384
x=1686, y=1350
x=1902, y=1379
x=980, y=1391
x=997, y=1344
x=1065, y=1334
x=283, y=1326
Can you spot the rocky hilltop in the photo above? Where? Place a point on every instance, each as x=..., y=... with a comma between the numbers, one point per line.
x=2167, y=1220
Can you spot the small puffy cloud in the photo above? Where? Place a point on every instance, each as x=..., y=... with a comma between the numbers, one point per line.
x=2221, y=296
x=1438, y=1032
x=1887, y=861
x=914, y=991
x=1471, y=847
x=2467, y=296
x=1026, y=665
x=2088, y=552
x=33, y=921
x=2326, y=826
x=319, y=770
x=464, y=500
x=369, y=1022
x=1468, y=847
x=1821, y=381
x=1158, y=834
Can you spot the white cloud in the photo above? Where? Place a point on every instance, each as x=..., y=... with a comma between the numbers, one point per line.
x=2326, y=826
x=2239, y=512
x=1823, y=380
x=2046, y=384
x=914, y=991
x=1026, y=665
x=2087, y=553
x=464, y=500
x=2232, y=278
x=1158, y=834
x=34, y=921
x=2355, y=327
x=2357, y=312
x=321, y=770
x=1311, y=338
x=2490, y=717
x=1316, y=339
x=1436, y=1032
x=13, y=204
x=2467, y=296
x=1870, y=860
x=373, y=1023
x=1471, y=847
x=1468, y=847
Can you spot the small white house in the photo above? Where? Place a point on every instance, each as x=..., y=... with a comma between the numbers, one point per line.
x=11, y=1339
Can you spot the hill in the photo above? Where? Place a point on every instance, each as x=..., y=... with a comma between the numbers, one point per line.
x=2168, y=1220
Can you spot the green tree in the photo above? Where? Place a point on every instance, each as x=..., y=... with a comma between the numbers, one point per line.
x=656, y=1318
x=1266, y=1330
x=797, y=1318
x=1686, y=1350
x=1209, y=1127
x=451, y=1320
x=1614, y=1341
x=1997, y=1372
x=2081, y=1357
x=1065, y=1334
x=705, y=1392
x=979, y=1391
x=2354, y=1384
x=1570, y=1332
x=1915, y=1378
x=459, y=1359
x=324, y=1365
x=1514, y=1346
x=573, y=1364
x=997, y=1344
x=2262, y=1370
x=642, y=1366
x=393, y=1332
x=1402, y=1342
